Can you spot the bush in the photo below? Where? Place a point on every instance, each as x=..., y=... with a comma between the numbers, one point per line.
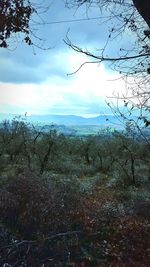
x=41, y=205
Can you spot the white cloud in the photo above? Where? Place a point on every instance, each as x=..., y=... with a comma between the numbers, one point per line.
x=88, y=87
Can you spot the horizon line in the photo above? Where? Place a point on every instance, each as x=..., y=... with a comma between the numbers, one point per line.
x=26, y=114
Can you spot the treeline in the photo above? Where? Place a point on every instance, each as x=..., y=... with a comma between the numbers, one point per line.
x=124, y=155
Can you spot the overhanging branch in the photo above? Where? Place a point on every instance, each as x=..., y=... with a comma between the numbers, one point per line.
x=101, y=58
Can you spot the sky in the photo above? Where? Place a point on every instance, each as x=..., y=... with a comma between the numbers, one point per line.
x=36, y=80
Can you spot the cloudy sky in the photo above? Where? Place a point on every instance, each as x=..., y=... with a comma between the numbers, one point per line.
x=36, y=81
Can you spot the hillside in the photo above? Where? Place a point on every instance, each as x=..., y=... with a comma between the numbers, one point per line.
x=101, y=120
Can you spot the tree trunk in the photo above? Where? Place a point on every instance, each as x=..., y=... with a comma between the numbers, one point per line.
x=45, y=159
x=143, y=7
x=133, y=170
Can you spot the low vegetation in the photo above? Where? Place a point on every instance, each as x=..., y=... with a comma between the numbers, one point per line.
x=72, y=201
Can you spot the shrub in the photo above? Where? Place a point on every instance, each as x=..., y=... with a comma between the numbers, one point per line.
x=41, y=204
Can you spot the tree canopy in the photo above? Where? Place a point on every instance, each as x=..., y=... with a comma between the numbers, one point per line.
x=143, y=7
x=129, y=20
x=125, y=16
x=15, y=18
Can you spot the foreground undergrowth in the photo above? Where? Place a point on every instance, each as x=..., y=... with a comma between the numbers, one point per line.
x=68, y=201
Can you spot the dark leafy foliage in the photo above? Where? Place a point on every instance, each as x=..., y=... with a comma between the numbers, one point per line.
x=15, y=18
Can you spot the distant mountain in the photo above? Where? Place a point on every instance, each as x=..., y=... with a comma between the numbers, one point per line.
x=73, y=125
x=68, y=120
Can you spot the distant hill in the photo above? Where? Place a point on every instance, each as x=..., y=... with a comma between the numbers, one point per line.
x=68, y=120
x=73, y=125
